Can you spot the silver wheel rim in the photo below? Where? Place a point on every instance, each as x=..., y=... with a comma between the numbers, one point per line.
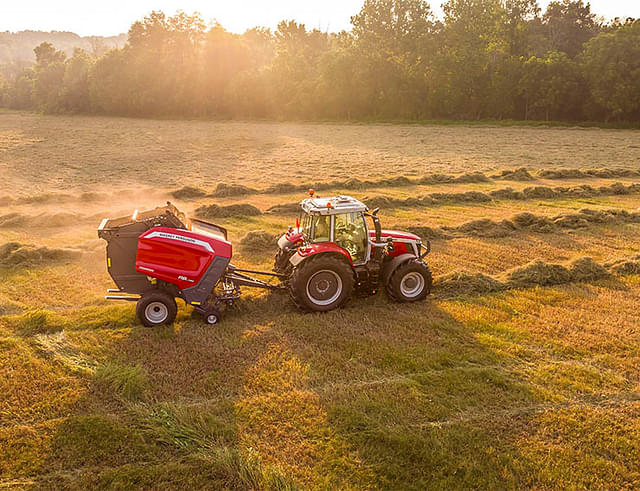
x=212, y=318
x=412, y=284
x=156, y=312
x=324, y=287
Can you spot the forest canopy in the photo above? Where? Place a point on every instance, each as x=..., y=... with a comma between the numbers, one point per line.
x=485, y=59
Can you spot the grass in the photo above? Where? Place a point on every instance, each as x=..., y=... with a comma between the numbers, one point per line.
x=530, y=387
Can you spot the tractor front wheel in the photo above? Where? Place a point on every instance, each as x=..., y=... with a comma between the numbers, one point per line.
x=156, y=308
x=321, y=283
x=410, y=282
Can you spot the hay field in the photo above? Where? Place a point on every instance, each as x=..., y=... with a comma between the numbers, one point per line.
x=521, y=370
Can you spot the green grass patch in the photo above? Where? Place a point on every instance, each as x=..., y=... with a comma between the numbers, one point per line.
x=128, y=382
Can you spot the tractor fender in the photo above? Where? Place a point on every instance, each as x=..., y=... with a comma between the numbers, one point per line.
x=307, y=251
x=391, y=265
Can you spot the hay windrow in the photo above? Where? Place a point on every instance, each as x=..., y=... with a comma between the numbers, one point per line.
x=217, y=211
x=258, y=241
x=227, y=190
x=625, y=266
x=587, y=173
x=44, y=220
x=285, y=209
x=521, y=174
x=528, y=222
x=188, y=192
x=533, y=274
x=464, y=283
x=14, y=254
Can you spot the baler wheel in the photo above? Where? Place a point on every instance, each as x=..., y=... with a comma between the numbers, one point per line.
x=156, y=308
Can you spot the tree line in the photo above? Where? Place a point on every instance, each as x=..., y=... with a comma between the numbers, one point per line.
x=485, y=59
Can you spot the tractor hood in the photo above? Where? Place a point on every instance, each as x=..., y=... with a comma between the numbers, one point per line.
x=395, y=234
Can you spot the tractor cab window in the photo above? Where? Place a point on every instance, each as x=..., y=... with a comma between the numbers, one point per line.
x=350, y=233
x=317, y=228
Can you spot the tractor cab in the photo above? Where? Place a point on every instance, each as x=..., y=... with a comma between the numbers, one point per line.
x=339, y=220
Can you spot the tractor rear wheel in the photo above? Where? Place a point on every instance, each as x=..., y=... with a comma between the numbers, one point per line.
x=410, y=282
x=321, y=283
x=156, y=308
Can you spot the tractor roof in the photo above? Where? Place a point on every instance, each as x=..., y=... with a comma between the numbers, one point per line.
x=332, y=206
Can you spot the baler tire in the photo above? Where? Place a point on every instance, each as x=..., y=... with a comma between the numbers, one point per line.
x=165, y=315
x=413, y=267
x=322, y=264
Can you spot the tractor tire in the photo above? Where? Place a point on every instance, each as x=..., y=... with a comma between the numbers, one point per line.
x=410, y=282
x=321, y=283
x=155, y=308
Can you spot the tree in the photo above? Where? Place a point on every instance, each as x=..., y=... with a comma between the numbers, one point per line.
x=569, y=24
x=49, y=70
x=74, y=96
x=611, y=64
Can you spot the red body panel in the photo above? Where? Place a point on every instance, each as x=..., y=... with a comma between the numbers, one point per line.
x=178, y=256
x=403, y=243
x=321, y=247
x=396, y=235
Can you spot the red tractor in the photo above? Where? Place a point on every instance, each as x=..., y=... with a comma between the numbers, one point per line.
x=333, y=251
x=159, y=255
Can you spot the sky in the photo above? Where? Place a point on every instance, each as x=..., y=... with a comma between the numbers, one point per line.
x=106, y=18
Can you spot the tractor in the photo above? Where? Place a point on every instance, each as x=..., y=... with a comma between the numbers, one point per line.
x=332, y=252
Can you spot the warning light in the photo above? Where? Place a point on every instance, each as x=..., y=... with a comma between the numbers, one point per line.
x=329, y=205
x=311, y=192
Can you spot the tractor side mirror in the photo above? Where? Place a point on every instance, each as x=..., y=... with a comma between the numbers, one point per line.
x=375, y=211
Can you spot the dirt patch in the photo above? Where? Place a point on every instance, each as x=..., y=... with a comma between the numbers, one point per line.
x=258, y=241
x=217, y=211
x=521, y=174
x=188, y=192
x=16, y=254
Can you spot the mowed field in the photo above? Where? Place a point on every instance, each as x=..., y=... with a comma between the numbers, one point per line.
x=521, y=370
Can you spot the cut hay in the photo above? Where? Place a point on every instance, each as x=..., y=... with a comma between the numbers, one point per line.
x=464, y=283
x=521, y=174
x=259, y=241
x=285, y=209
x=217, y=211
x=188, y=192
x=14, y=254
x=226, y=190
x=540, y=273
x=537, y=273
x=484, y=228
x=625, y=266
x=44, y=220
x=428, y=233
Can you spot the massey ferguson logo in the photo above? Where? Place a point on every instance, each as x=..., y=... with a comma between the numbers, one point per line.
x=184, y=278
x=181, y=238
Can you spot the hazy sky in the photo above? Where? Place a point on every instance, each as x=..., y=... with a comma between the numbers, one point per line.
x=104, y=17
